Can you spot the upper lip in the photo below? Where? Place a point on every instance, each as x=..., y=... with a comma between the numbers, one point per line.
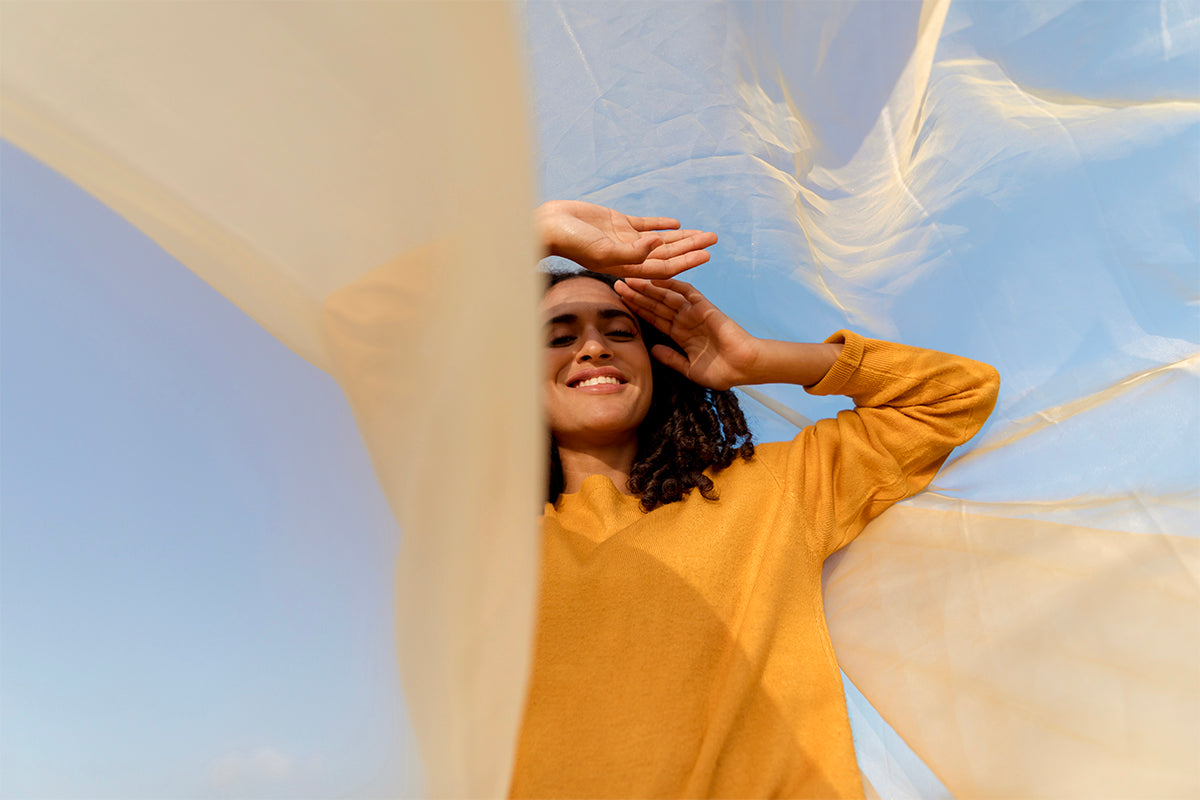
x=596, y=372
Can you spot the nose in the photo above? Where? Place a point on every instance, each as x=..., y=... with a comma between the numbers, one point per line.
x=594, y=348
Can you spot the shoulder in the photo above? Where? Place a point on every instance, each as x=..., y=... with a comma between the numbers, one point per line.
x=763, y=470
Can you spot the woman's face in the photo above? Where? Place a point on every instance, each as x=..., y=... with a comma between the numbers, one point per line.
x=597, y=371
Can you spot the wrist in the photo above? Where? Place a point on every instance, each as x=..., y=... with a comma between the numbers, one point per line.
x=754, y=367
x=544, y=224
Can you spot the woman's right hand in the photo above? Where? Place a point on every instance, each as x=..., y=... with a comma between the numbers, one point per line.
x=718, y=353
x=604, y=240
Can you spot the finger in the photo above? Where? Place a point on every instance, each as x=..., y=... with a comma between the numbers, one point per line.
x=666, y=268
x=650, y=242
x=614, y=254
x=669, y=307
x=656, y=313
x=671, y=358
x=682, y=288
x=657, y=292
x=670, y=267
x=691, y=239
x=664, y=325
x=653, y=223
x=680, y=247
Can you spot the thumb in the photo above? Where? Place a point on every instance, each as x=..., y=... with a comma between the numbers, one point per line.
x=643, y=247
x=671, y=358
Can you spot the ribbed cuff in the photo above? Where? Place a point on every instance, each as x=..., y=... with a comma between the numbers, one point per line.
x=847, y=364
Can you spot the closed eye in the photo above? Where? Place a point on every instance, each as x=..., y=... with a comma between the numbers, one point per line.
x=561, y=341
x=622, y=335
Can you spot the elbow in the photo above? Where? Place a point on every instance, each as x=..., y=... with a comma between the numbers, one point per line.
x=982, y=397
x=989, y=388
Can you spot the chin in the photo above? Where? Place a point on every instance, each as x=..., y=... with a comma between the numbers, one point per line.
x=612, y=422
x=602, y=428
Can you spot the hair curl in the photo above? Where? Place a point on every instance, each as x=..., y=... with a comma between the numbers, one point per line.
x=687, y=430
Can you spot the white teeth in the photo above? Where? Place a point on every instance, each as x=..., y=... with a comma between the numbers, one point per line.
x=596, y=382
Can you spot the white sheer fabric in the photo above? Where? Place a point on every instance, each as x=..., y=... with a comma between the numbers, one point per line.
x=1016, y=182
x=1013, y=181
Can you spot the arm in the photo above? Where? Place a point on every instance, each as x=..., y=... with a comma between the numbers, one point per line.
x=720, y=354
x=604, y=240
x=912, y=406
x=801, y=363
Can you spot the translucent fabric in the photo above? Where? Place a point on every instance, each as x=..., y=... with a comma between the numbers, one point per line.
x=1017, y=182
x=356, y=177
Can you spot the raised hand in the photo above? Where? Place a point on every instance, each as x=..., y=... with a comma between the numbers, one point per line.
x=720, y=354
x=604, y=240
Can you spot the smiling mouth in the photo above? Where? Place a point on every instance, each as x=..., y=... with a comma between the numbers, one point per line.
x=600, y=380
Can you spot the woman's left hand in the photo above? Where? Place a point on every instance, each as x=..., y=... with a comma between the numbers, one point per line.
x=605, y=240
x=720, y=354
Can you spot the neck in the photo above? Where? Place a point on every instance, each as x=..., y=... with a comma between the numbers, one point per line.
x=614, y=461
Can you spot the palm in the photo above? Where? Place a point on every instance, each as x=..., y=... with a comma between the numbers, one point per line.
x=718, y=350
x=607, y=222
x=604, y=240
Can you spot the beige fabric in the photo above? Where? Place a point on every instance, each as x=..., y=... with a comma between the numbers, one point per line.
x=356, y=177
x=939, y=610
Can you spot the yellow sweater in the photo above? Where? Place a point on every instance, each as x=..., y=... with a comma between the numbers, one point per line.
x=684, y=652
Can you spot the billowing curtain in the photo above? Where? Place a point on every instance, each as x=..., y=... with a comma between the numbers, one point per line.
x=1018, y=182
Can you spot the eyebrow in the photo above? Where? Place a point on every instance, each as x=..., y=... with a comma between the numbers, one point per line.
x=605, y=313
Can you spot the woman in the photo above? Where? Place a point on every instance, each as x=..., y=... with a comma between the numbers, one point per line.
x=682, y=649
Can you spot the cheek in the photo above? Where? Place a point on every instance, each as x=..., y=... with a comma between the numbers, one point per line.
x=640, y=361
x=552, y=366
x=552, y=363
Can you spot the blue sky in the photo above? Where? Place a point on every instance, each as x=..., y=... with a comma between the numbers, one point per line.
x=195, y=562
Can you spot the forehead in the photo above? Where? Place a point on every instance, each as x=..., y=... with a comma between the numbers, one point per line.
x=579, y=296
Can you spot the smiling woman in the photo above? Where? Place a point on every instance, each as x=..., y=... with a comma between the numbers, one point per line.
x=673, y=624
x=643, y=425
x=598, y=378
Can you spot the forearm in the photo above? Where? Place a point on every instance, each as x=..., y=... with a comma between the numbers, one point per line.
x=800, y=363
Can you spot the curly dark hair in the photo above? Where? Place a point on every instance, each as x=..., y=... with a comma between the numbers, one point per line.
x=687, y=430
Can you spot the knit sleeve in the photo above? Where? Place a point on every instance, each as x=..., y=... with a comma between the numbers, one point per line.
x=912, y=407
